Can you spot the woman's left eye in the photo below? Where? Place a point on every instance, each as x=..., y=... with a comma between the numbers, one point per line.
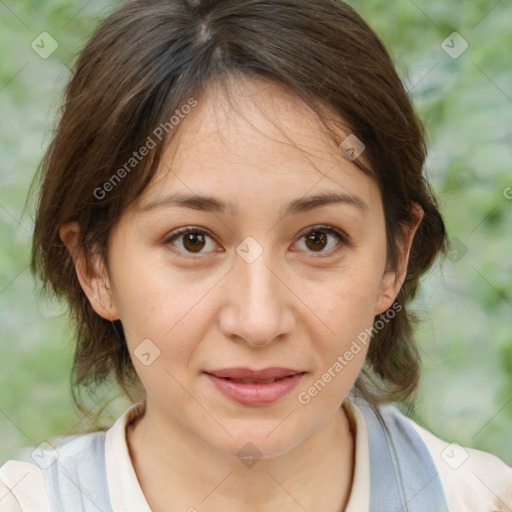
x=194, y=240
x=317, y=239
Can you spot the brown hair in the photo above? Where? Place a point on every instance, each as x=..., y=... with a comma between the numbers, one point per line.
x=148, y=58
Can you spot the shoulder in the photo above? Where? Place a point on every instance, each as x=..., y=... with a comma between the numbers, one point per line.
x=473, y=480
x=22, y=488
x=23, y=482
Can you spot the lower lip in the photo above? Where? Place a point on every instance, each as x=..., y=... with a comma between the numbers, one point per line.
x=255, y=394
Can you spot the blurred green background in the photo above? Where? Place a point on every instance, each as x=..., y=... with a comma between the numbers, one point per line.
x=465, y=102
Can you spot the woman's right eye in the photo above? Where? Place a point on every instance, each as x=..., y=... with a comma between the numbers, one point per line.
x=190, y=240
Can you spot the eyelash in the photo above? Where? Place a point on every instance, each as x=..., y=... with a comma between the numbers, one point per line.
x=342, y=237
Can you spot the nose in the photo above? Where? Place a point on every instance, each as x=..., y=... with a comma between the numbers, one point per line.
x=259, y=306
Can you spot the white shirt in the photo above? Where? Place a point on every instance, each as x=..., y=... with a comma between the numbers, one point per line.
x=473, y=481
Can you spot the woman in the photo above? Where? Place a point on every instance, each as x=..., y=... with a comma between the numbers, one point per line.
x=234, y=208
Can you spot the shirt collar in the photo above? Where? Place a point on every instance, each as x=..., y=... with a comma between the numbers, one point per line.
x=126, y=494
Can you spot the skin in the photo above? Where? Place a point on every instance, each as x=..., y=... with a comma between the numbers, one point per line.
x=296, y=305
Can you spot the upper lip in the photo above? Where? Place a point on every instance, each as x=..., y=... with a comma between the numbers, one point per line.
x=238, y=372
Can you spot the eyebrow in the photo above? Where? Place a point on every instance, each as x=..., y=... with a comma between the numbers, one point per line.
x=212, y=204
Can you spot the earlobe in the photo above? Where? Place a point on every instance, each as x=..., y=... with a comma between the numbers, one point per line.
x=91, y=274
x=394, y=278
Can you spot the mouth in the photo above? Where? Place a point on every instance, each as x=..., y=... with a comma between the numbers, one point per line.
x=264, y=376
x=256, y=391
x=248, y=381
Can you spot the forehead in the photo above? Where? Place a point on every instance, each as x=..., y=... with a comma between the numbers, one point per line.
x=258, y=139
x=249, y=114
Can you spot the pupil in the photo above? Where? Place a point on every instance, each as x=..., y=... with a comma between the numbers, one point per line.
x=195, y=239
x=316, y=238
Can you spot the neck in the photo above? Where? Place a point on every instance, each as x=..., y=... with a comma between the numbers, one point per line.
x=179, y=471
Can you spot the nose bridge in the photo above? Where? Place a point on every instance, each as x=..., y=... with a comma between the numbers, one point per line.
x=258, y=282
x=260, y=303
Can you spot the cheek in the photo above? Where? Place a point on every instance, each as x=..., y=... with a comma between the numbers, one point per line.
x=349, y=313
x=347, y=305
x=150, y=296
x=162, y=304
x=350, y=297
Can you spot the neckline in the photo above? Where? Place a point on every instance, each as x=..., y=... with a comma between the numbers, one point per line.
x=127, y=494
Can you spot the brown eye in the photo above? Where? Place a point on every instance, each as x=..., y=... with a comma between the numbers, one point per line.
x=193, y=242
x=190, y=240
x=318, y=240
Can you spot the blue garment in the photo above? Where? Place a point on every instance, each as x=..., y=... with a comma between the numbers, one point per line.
x=403, y=477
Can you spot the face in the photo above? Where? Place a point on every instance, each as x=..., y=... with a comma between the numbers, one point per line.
x=263, y=277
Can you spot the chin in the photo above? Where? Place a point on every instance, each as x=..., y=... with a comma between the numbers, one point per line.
x=252, y=444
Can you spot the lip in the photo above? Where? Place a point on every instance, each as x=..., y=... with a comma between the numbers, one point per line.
x=239, y=372
x=253, y=394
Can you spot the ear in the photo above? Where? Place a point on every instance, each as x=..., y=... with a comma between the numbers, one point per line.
x=393, y=278
x=91, y=274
